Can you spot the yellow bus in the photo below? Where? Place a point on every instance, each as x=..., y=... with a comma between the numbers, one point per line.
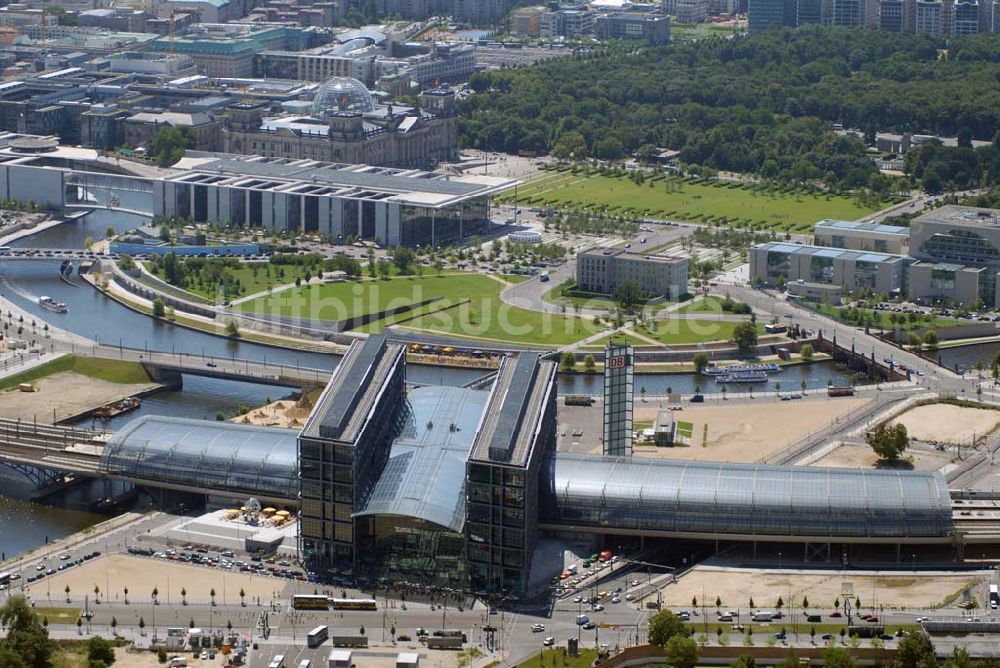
x=310, y=602
x=354, y=604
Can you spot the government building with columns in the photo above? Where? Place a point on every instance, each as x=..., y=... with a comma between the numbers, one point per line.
x=347, y=126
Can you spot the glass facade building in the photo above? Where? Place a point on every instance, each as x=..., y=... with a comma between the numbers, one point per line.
x=518, y=430
x=343, y=449
x=389, y=206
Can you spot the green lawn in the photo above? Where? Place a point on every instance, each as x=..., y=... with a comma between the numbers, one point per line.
x=63, y=615
x=113, y=371
x=557, y=295
x=685, y=429
x=676, y=330
x=880, y=319
x=266, y=276
x=514, y=278
x=557, y=656
x=705, y=305
x=675, y=198
x=464, y=304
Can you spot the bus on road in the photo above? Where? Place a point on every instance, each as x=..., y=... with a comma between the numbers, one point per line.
x=317, y=636
x=354, y=604
x=310, y=602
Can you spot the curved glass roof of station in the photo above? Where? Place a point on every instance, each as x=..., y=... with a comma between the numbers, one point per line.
x=230, y=459
x=681, y=497
x=425, y=475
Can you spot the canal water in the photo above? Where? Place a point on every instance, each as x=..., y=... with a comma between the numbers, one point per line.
x=816, y=376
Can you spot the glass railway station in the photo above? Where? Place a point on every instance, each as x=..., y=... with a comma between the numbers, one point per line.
x=452, y=486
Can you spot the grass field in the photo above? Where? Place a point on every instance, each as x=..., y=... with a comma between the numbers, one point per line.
x=704, y=305
x=557, y=656
x=880, y=319
x=675, y=331
x=463, y=304
x=113, y=371
x=266, y=276
x=674, y=198
x=60, y=615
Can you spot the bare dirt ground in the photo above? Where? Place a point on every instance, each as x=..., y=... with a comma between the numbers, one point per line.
x=113, y=573
x=860, y=456
x=945, y=423
x=747, y=432
x=63, y=394
x=735, y=586
x=284, y=413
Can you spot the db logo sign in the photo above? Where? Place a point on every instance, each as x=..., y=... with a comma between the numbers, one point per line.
x=616, y=362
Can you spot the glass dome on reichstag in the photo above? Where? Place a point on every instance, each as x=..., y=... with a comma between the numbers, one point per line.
x=341, y=94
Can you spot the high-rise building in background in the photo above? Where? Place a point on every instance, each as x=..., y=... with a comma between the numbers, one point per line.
x=929, y=17
x=764, y=14
x=618, y=391
x=964, y=18
x=857, y=13
x=692, y=11
x=811, y=11
x=890, y=15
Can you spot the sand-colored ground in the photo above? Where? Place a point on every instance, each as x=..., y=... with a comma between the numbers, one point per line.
x=67, y=393
x=747, y=432
x=141, y=574
x=860, y=456
x=945, y=423
x=735, y=586
x=375, y=657
x=284, y=413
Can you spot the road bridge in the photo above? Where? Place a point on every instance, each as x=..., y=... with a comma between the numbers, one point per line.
x=167, y=366
x=54, y=254
x=137, y=212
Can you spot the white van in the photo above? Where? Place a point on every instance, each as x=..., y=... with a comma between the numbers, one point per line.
x=762, y=617
x=582, y=619
x=277, y=662
x=304, y=663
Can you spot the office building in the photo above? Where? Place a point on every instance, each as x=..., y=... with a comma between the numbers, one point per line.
x=392, y=207
x=653, y=28
x=479, y=12
x=812, y=11
x=853, y=235
x=566, y=23
x=764, y=14
x=346, y=125
x=890, y=16
x=957, y=234
x=141, y=129
x=526, y=21
x=964, y=18
x=929, y=17
x=856, y=13
x=343, y=449
x=603, y=269
x=691, y=11
x=779, y=263
x=228, y=49
x=618, y=397
x=516, y=433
